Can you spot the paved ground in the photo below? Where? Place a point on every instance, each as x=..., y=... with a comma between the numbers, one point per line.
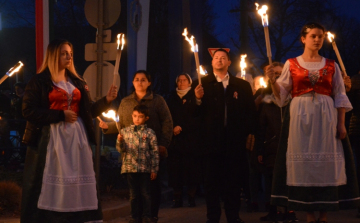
x=197, y=215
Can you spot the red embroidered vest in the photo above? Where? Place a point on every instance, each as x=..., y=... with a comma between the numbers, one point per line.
x=58, y=99
x=301, y=81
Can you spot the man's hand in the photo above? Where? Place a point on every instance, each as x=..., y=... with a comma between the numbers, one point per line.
x=250, y=141
x=103, y=125
x=153, y=176
x=70, y=116
x=162, y=151
x=112, y=94
x=260, y=159
x=177, y=130
x=199, y=91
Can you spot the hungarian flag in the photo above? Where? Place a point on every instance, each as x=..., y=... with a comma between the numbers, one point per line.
x=41, y=29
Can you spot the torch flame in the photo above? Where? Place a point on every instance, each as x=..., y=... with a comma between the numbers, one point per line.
x=330, y=36
x=202, y=70
x=262, y=82
x=111, y=114
x=120, y=41
x=242, y=61
x=191, y=40
x=243, y=66
x=262, y=13
x=15, y=68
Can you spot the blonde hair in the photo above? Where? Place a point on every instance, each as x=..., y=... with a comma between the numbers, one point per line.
x=52, y=56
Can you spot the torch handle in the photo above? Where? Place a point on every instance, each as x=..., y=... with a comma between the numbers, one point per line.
x=3, y=78
x=339, y=58
x=118, y=126
x=196, y=54
x=267, y=42
x=117, y=63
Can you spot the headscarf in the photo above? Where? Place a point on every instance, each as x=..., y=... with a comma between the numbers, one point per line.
x=182, y=93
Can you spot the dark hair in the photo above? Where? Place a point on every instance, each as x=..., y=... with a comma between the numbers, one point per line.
x=142, y=109
x=148, y=77
x=275, y=64
x=309, y=26
x=222, y=50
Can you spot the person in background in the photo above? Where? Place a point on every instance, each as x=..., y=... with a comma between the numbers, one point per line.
x=267, y=142
x=226, y=107
x=59, y=182
x=354, y=127
x=184, y=152
x=140, y=162
x=313, y=177
x=159, y=120
x=16, y=102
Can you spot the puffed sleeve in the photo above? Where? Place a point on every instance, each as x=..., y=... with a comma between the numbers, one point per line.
x=285, y=83
x=338, y=91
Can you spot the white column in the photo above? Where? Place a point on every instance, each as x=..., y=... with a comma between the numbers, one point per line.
x=142, y=36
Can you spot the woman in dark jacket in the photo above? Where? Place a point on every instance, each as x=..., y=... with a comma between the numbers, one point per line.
x=59, y=180
x=183, y=161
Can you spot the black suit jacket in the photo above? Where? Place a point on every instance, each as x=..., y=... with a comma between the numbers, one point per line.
x=237, y=101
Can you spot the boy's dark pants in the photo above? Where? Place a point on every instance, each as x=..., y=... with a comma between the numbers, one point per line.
x=139, y=186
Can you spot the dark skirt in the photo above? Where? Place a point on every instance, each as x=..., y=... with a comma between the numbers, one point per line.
x=331, y=198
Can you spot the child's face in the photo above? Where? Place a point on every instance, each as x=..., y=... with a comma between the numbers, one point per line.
x=139, y=118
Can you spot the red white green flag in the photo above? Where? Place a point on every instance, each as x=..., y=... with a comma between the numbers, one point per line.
x=41, y=29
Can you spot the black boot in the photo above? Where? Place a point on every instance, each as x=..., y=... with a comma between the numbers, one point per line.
x=192, y=202
x=177, y=202
x=271, y=216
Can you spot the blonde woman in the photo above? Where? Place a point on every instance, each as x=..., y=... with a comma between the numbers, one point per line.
x=59, y=179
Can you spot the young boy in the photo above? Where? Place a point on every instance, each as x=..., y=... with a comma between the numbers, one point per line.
x=140, y=162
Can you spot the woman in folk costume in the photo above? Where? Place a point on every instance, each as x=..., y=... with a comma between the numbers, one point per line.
x=319, y=168
x=59, y=180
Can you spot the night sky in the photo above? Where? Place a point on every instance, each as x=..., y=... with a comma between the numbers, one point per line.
x=224, y=19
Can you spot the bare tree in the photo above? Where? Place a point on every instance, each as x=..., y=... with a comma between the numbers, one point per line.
x=20, y=13
x=286, y=17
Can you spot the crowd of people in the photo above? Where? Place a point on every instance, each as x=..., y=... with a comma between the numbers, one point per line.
x=301, y=145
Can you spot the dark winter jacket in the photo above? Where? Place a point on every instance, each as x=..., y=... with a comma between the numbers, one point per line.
x=240, y=111
x=184, y=113
x=37, y=112
x=268, y=132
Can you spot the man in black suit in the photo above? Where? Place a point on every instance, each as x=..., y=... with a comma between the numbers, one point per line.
x=227, y=109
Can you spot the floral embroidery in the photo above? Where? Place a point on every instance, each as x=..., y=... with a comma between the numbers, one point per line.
x=314, y=77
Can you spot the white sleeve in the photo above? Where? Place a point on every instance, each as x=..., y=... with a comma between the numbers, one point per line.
x=285, y=84
x=338, y=91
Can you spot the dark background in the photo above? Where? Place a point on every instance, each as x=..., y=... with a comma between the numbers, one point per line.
x=233, y=24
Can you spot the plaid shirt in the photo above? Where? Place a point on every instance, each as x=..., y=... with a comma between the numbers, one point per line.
x=140, y=150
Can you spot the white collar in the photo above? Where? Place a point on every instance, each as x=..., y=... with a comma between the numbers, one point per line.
x=224, y=79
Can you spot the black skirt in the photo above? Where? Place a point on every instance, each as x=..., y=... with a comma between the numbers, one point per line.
x=330, y=198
